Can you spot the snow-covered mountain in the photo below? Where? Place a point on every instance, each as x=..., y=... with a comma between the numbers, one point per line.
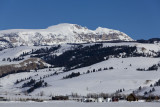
x=43, y=56
x=61, y=33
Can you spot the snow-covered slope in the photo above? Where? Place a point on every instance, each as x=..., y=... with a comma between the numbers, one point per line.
x=124, y=75
x=61, y=33
x=17, y=51
x=108, y=81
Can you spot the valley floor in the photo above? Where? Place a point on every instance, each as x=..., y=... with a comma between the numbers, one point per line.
x=78, y=104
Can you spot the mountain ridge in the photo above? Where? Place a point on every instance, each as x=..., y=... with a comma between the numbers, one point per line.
x=59, y=34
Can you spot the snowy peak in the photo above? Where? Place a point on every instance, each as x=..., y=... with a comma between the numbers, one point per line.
x=113, y=34
x=61, y=33
x=66, y=28
x=105, y=30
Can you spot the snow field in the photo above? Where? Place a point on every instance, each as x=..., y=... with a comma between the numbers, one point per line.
x=78, y=104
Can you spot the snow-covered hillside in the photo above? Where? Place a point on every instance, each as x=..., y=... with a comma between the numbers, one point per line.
x=108, y=81
x=120, y=73
x=17, y=51
x=58, y=34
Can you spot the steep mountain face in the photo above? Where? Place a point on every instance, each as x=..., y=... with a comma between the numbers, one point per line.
x=58, y=34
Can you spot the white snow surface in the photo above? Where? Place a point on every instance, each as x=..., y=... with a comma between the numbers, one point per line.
x=78, y=104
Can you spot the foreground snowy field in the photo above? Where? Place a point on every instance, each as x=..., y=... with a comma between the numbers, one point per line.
x=78, y=104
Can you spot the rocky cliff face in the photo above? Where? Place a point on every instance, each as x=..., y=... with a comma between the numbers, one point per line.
x=27, y=65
